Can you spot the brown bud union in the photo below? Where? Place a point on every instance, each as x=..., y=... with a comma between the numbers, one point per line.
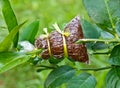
x=77, y=52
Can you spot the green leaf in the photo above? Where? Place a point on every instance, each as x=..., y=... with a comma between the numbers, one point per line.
x=114, y=58
x=118, y=27
x=3, y=34
x=59, y=76
x=30, y=32
x=98, y=46
x=103, y=12
x=106, y=35
x=94, y=32
x=9, y=60
x=83, y=80
x=8, y=40
x=113, y=78
x=90, y=30
x=9, y=17
x=54, y=60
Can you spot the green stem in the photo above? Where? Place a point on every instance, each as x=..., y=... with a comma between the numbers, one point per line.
x=34, y=51
x=2, y=27
x=95, y=69
x=49, y=67
x=116, y=36
x=98, y=40
x=94, y=53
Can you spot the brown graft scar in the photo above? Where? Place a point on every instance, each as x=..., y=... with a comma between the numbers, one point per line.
x=77, y=52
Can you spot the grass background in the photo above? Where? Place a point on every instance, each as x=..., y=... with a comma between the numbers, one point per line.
x=47, y=12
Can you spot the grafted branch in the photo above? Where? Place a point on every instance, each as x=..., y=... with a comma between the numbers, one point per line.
x=98, y=40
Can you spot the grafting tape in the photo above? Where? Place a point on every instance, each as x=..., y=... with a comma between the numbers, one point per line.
x=65, y=47
x=64, y=40
x=47, y=37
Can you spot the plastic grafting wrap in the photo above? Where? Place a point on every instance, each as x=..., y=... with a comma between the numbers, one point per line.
x=62, y=43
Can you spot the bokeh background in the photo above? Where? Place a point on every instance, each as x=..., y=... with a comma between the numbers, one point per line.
x=47, y=12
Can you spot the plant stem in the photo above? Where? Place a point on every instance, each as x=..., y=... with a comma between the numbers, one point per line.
x=34, y=51
x=94, y=53
x=48, y=67
x=95, y=69
x=98, y=40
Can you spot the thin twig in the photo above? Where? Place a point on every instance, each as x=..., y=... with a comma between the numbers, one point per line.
x=95, y=69
x=94, y=53
x=98, y=40
x=34, y=51
x=45, y=66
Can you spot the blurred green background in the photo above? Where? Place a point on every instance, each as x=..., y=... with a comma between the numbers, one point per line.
x=47, y=12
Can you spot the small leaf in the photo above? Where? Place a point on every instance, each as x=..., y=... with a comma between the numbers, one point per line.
x=8, y=40
x=9, y=17
x=9, y=60
x=83, y=80
x=29, y=33
x=59, y=76
x=113, y=78
x=114, y=58
x=103, y=12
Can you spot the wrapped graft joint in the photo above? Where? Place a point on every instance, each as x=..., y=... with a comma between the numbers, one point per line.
x=56, y=42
